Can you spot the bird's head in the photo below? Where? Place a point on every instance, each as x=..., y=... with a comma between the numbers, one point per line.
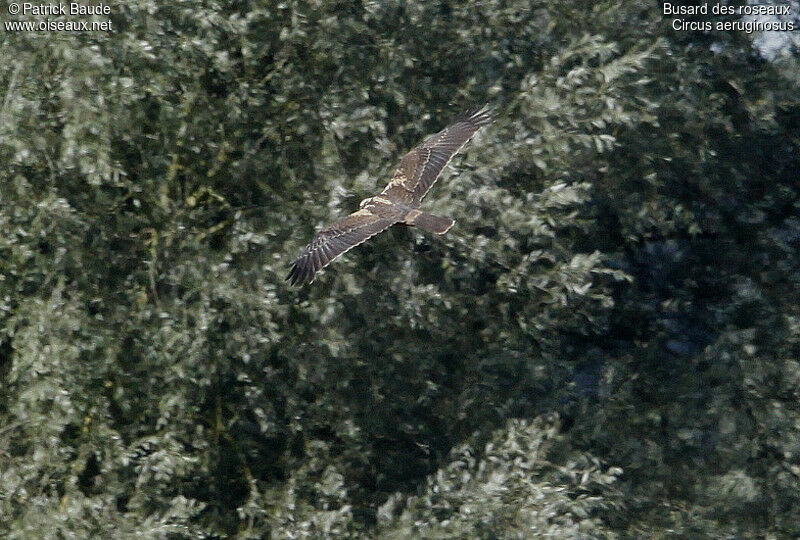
x=365, y=202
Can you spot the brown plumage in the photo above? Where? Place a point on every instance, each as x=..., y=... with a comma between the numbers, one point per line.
x=398, y=202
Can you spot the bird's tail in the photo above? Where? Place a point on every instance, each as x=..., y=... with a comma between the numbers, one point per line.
x=429, y=222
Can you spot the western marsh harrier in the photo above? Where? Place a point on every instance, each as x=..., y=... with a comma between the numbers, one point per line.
x=399, y=201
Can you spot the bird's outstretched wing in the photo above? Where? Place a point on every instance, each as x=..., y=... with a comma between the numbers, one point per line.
x=420, y=168
x=334, y=240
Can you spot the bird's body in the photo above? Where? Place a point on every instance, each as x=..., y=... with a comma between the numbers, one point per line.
x=398, y=202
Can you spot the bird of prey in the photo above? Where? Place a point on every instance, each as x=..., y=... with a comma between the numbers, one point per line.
x=399, y=201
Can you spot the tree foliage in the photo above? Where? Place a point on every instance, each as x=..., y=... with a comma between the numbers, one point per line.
x=606, y=344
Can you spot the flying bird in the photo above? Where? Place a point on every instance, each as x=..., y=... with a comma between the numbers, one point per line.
x=399, y=201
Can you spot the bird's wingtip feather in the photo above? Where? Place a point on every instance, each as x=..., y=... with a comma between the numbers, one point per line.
x=295, y=275
x=482, y=116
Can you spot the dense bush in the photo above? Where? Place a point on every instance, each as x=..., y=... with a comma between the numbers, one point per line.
x=605, y=344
